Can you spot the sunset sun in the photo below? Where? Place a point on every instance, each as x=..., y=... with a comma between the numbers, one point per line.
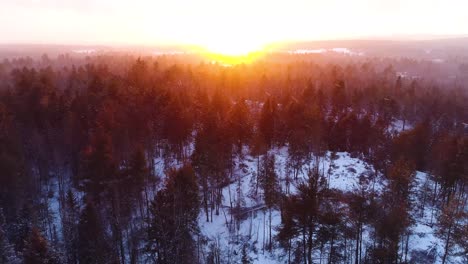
x=231, y=47
x=235, y=40
x=229, y=51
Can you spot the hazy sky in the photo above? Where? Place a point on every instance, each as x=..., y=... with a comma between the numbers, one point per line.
x=207, y=21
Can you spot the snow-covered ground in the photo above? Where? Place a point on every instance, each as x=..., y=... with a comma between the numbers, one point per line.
x=423, y=240
x=251, y=231
x=343, y=172
x=345, y=51
x=398, y=126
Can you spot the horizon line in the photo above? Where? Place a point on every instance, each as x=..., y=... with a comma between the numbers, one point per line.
x=389, y=38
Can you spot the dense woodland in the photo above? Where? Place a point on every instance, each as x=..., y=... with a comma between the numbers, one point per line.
x=93, y=131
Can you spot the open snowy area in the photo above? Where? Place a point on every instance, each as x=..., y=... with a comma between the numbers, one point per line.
x=343, y=172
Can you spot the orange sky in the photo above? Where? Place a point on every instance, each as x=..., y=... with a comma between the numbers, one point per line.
x=215, y=24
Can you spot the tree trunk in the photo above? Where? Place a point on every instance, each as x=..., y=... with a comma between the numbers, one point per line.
x=407, y=247
x=269, y=243
x=309, y=245
x=331, y=249
x=264, y=223
x=304, y=251
x=447, y=242
x=356, y=256
x=205, y=198
x=258, y=175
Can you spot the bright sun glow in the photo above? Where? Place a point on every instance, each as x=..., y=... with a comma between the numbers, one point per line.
x=233, y=51
x=239, y=47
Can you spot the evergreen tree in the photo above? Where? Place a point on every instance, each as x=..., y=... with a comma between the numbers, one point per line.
x=177, y=126
x=266, y=123
x=449, y=156
x=70, y=218
x=37, y=250
x=212, y=157
x=136, y=175
x=269, y=180
x=93, y=247
x=359, y=203
x=413, y=145
x=240, y=125
x=174, y=214
x=339, y=100
x=7, y=251
x=13, y=181
x=394, y=215
x=98, y=166
x=301, y=214
x=452, y=229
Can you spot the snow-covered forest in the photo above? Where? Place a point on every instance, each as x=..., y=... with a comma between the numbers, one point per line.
x=295, y=158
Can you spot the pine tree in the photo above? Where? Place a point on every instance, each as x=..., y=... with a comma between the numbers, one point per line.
x=7, y=251
x=239, y=124
x=330, y=226
x=451, y=228
x=359, y=207
x=339, y=100
x=92, y=238
x=301, y=214
x=70, y=218
x=266, y=123
x=177, y=126
x=138, y=74
x=394, y=218
x=413, y=145
x=174, y=214
x=98, y=166
x=37, y=250
x=449, y=156
x=269, y=181
x=13, y=181
x=212, y=157
x=137, y=172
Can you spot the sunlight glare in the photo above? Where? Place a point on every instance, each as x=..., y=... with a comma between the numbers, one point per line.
x=231, y=47
x=231, y=52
